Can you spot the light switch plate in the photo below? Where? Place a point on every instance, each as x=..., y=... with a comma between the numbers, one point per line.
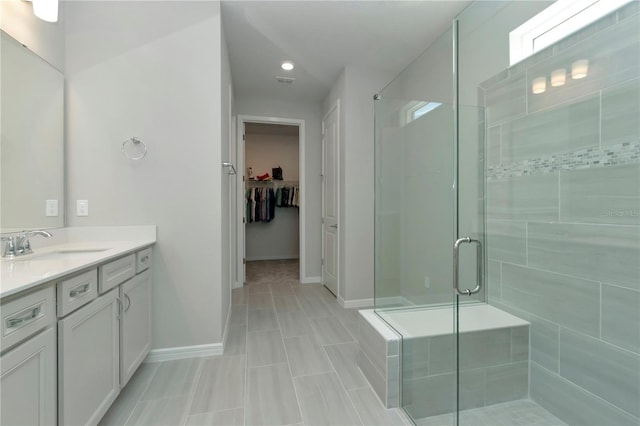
x=52, y=208
x=82, y=208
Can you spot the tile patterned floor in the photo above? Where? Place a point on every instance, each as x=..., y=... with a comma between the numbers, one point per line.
x=290, y=359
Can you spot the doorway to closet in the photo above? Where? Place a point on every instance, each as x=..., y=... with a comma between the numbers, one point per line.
x=270, y=205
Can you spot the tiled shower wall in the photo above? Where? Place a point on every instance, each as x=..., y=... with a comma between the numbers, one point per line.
x=563, y=219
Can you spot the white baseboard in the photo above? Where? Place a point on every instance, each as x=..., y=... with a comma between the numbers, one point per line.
x=281, y=257
x=183, y=352
x=356, y=303
x=197, y=351
x=311, y=280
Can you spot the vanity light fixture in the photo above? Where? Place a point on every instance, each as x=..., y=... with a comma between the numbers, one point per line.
x=539, y=85
x=47, y=10
x=287, y=65
x=579, y=69
x=558, y=77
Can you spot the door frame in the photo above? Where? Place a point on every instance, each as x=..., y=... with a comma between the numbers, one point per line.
x=242, y=120
x=335, y=107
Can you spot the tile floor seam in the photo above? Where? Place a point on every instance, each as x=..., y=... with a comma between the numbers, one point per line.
x=350, y=399
x=140, y=396
x=288, y=362
x=193, y=391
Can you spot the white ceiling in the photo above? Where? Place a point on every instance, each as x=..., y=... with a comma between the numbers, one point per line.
x=322, y=37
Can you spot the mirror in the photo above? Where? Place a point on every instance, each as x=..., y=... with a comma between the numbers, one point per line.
x=32, y=140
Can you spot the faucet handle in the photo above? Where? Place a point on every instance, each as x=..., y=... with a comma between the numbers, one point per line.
x=10, y=247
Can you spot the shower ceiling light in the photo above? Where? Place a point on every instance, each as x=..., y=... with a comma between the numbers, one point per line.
x=558, y=77
x=579, y=69
x=287, y=65
x=539, y=85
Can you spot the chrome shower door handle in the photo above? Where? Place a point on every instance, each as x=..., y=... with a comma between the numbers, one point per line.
x=456, y=265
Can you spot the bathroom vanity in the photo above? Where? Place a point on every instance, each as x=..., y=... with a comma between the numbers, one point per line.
x=76, y=324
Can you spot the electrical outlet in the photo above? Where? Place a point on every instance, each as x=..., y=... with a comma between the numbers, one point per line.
x=51, y=208
x=427, y=281
x=82, y=208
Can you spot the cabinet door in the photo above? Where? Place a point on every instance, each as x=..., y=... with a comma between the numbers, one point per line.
x=88, y=361
x=28, y=382
x=135, y=330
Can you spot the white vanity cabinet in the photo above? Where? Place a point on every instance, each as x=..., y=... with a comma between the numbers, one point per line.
x=88, y=361
x=135, y=324
x=101, y=344
x=71, y=342
x=28, y=362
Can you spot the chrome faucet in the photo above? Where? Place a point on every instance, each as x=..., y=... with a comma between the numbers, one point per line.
x=23, y=246
x=20, y=244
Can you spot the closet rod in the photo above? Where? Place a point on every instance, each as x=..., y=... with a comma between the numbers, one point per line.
x=274, y=181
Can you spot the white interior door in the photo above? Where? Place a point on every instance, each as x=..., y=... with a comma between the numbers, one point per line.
x=330, y=200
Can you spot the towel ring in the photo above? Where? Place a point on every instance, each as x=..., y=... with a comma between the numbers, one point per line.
x=136, y=145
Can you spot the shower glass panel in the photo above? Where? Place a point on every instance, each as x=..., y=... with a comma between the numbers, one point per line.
x=562, y=179
x=415, y=224
x=539, y=160
x=416, y=219
x=415, y=202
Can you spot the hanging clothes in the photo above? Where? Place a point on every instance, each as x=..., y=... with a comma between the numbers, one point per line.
x=296, y=193
x=258, y=205
x=248, y=205
x=261, y=203
x=272, y=204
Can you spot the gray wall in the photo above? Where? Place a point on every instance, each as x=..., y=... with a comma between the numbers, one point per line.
x=311, y=113
x=563, y=212
x=160, y=79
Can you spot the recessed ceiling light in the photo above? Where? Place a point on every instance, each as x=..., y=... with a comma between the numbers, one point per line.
x=287, y=65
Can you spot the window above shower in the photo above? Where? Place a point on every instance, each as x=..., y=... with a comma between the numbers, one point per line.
x=554, y=23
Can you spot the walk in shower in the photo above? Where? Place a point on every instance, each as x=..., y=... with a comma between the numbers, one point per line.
x=525, y=157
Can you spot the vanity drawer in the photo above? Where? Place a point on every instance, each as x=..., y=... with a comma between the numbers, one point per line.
x=77, y=291
x=115, y=273
x=143, y=260
x=26, y=315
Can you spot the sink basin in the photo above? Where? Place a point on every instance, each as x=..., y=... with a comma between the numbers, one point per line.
x=62, y=254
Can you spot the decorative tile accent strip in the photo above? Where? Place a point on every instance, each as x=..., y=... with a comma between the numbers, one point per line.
x=611, y=155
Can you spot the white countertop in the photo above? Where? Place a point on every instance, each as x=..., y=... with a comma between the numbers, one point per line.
x=28, y=271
